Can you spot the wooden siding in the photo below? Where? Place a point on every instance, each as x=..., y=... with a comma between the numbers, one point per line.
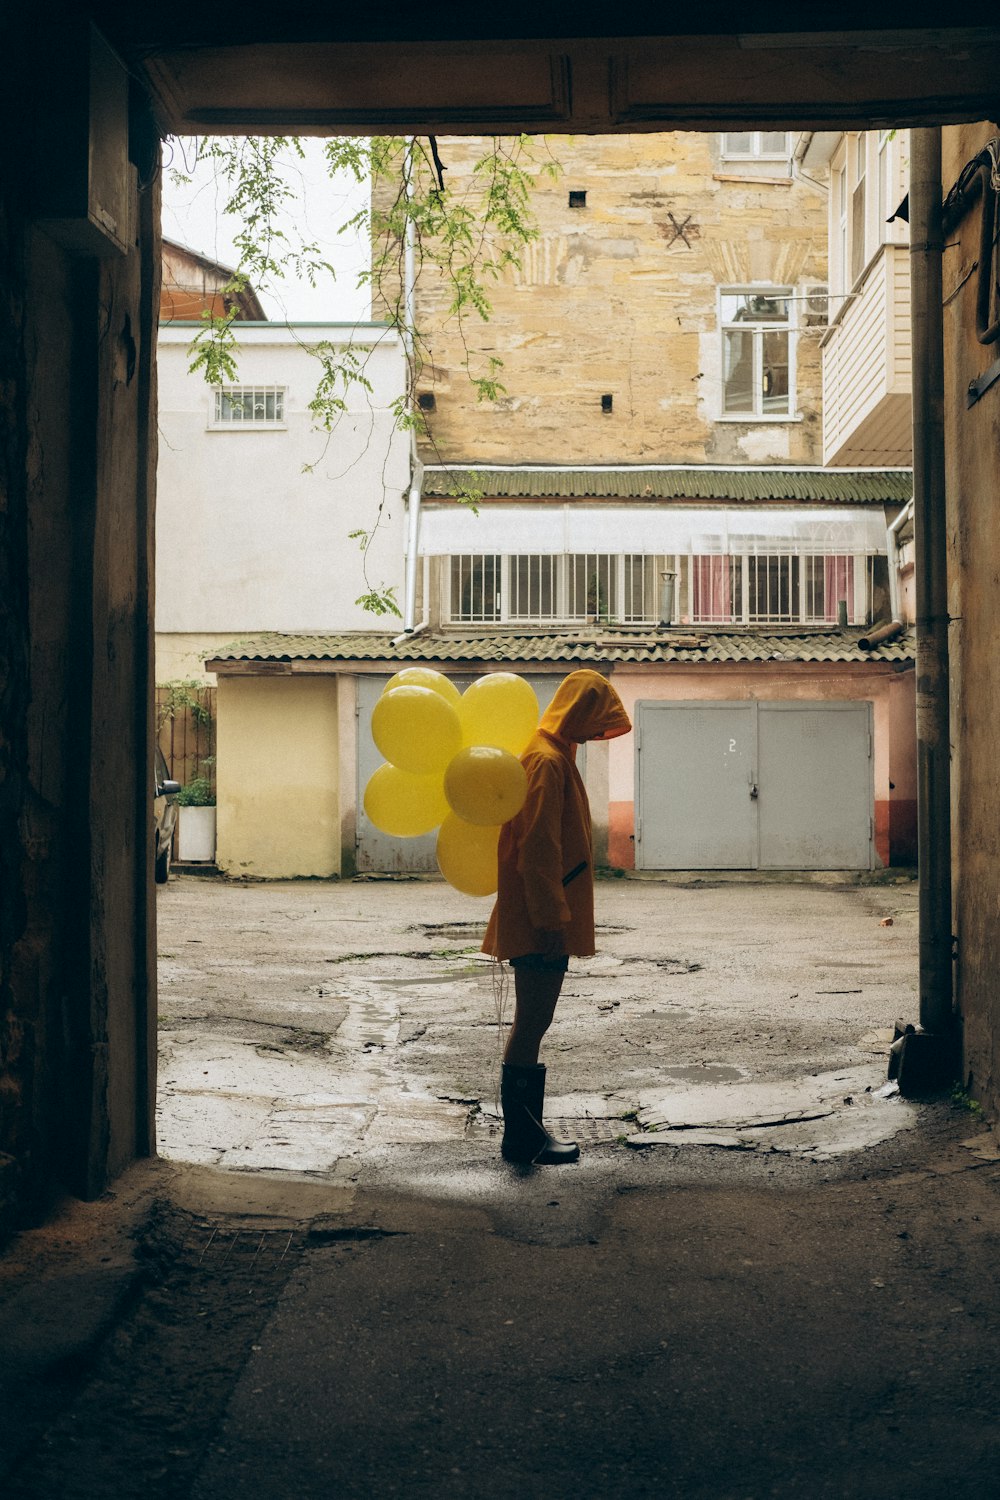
x=866, y=370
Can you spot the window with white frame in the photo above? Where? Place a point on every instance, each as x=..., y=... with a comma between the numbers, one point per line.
x=757, y=352
x=246, y=406
x=545, y=589
x=755, y=145
x=866, y=187
x=859, y=206
x=838, y=265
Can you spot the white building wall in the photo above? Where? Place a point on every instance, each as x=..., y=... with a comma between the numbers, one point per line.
x=253, y=526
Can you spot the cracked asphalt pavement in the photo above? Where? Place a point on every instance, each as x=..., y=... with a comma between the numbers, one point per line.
x=322, y=1028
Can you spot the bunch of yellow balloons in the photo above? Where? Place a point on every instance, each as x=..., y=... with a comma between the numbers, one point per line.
x=451, y=759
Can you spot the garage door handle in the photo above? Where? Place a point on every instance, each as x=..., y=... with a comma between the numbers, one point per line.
x=753, y=792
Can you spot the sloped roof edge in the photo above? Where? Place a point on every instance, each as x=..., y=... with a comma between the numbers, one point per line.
x=670, y=482
x=507, y=649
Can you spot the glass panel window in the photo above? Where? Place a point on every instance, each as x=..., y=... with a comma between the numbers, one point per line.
x=774, y=376
x=737, y=371
x=839, y=268
x=475, y=587
x=756, y=145
x=249, y=405
x=756, y=352
x=738, y=143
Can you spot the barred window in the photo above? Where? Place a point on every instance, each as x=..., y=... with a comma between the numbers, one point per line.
x=544, y=588
x=475, y=587
x=249, y=406
x=533, y=592
x=640, y=588
x=782, y=588
x=592, y=587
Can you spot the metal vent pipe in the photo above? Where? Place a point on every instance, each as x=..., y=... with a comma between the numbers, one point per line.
x=668, y=591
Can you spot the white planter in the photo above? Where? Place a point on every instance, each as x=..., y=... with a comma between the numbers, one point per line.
x=195, y=835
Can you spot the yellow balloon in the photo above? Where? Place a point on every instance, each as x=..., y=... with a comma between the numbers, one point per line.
x=499, y=709
x=467, y=856
x=485, y=785
x=416, y=729
x=404, y=805
x=425, y=677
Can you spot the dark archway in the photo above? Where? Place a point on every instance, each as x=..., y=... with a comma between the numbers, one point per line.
x=79, y=268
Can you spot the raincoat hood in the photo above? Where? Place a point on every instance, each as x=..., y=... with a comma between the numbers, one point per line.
x=585, y=707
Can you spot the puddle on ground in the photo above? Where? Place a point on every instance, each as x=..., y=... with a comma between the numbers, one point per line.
x=455, y=931
x=445, y=976
x=706, y=1073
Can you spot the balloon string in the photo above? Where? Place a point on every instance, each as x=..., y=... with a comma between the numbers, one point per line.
x=501, y=993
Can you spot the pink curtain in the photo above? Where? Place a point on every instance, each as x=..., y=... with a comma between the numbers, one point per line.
x=838, y=583
x=711, y=598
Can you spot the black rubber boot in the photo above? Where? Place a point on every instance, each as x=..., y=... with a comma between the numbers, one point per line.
x=525, y=1139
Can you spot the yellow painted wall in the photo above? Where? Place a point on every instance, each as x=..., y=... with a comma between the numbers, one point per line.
x=278, y=804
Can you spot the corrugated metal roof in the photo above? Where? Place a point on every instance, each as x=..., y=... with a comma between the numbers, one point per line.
x=667, y=482
x=597, y=645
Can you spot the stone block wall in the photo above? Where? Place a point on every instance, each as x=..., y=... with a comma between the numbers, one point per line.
x=619, y=297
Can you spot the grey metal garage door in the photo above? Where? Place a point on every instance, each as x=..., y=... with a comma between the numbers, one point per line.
x=749, y=785
x=380, y=853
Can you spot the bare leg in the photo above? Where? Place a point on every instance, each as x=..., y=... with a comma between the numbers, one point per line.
x=536, y=992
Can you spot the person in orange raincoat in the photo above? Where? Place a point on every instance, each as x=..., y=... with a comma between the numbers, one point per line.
x=544, y=910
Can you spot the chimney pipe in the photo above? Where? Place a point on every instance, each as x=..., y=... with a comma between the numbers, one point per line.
x=668, y=586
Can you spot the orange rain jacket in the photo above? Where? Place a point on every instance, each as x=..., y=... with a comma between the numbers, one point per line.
x=546, y=862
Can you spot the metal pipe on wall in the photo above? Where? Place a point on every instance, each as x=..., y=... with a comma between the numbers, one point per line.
x=416, y=467
x=892, y=549
x=931, y=582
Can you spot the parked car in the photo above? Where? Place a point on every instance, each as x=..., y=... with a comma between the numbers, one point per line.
x=164, y=815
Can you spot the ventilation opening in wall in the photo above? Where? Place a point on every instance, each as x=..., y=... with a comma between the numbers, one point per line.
x=607, y=403
x=577, y=198
x=426, y=401
x=817, y=306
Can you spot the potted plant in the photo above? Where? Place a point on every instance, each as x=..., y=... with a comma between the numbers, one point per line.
x=196, y=822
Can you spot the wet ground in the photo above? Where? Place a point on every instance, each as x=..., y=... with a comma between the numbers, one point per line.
x=309, y=1027
x=768, y=1277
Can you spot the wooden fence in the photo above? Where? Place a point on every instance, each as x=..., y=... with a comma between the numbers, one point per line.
x=185, y=729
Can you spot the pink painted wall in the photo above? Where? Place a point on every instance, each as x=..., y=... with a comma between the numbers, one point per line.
x=890, y=691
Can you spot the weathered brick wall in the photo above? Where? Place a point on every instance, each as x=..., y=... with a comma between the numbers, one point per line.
x=619, y=298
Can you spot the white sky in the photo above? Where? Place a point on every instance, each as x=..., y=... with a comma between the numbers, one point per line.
x=192, y=215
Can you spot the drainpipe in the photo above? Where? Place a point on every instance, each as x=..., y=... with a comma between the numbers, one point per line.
x=925, y=1057
x=416, y=467
x=892, y=548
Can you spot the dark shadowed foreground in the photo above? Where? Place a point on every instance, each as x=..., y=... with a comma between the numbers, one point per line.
x=733, y=1296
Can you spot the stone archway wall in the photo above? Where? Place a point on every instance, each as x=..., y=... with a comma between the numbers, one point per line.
x=77, y=431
